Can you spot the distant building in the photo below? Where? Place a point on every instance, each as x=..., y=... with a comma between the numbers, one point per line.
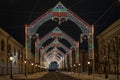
x=109, y=49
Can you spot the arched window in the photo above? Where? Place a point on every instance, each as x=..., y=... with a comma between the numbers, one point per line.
x=2, y=45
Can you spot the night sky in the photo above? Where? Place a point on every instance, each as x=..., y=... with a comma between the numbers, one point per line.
x=14, y=14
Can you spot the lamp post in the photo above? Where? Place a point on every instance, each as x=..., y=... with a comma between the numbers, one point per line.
x=71, y=69
x=39, y=67
x=32, y=67
x=79, y=67
x=11, y=59
x=25, y=67
x=36, y=67
x=74, y=68
x=88, y=67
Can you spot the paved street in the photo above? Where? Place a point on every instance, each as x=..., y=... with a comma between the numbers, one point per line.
x=35, y=76
x=85, y=76
x=48, y=76
x=57, y=76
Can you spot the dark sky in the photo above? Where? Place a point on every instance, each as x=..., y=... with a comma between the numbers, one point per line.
x=14, y=14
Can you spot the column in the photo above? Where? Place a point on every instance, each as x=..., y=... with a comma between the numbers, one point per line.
x=37, y=49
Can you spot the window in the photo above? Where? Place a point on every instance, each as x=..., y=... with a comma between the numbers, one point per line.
x=9, y=48
x=2, y=45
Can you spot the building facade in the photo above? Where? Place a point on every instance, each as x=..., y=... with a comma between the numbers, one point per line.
x=10, y=47
x=109, y=49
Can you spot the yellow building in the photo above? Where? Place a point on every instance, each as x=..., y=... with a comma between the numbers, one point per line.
x=109, y=49
x=10, y=47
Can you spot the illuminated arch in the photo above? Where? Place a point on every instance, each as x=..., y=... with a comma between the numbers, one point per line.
x=58, y=57
x=55, y=50
x=57, y=33
x=56, y=43
x=61, y=13
x=49, y=55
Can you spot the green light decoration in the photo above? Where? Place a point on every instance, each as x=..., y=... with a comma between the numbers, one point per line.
x=27, y=46
x=56, y=30
x=56, y=41
x=91, y=46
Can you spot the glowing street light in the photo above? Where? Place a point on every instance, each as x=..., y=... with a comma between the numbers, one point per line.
x=88, y=67
x=11, y=59
x=32, y=67
x=79, y=67
x=32, y=64
x=88, y=62
x=74, y=65
x=25, y=62
x=25, y=67
x=36, y=67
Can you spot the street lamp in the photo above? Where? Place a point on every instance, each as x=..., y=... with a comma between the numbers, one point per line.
x=32, y=67
x=39, y=67
x=36, y=67
x=79, y=67
x=11, y=59
x=74, y=68
x=88, y=67
x=25, y=67
x=74, y=65
x=71, y=68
